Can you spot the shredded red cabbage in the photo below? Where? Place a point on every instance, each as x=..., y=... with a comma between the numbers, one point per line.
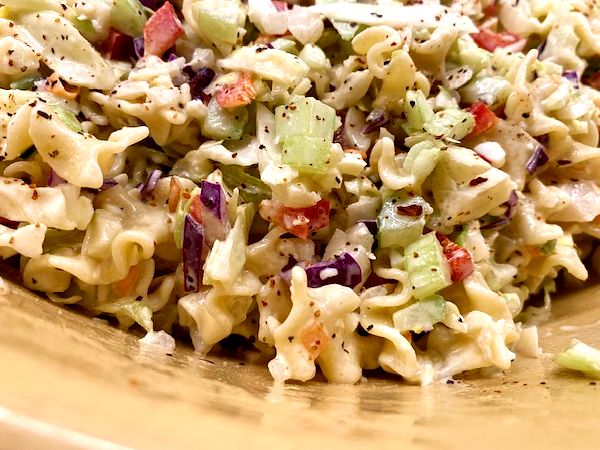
x=572, y=76
x=541, y=49
x=108, y=183
x=538, y=159
x=375, y=120
x=343, y=270
x=510, y=204
x=55, y=179
x=119, y=46
x=199, y=81
x=194, y=254
x=496, y=223
x=138, y=47
x=149, y=185
x=152, y=4
x=338, y=136
x=213, y=209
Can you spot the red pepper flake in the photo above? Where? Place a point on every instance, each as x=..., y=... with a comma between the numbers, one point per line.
x=410, y=210
x=477, y=181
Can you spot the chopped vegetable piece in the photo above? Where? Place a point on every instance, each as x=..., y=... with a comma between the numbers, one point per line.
x=195, y=251
x=134, y=310
x=426, y=266
x=219, y=19
x=252, y=189
x=484, y=118
x=56, y=86
x=298, y=221
x=68, y=118
x=418, y=112
x=306, y=154
x=150, y=184
x=162, y=31
x=314, y=338
x=490, y=40
x=538, y=159
x=459, y=258
x=237, y=94
x=138, y=47
x=118, y=46
x=128, y=17
x=375, y=120
x=223, y=124
x=152, y=4
x=213, y=210
x=199, y=81
x=401, y=220
x=27, y=83
x=582, y=357
x=548, y=248
x=305, y=117
x=421, y=315
x=450, y=124
x=306, y=127
x=343, y=269
x=123, y=287
x=55, y=179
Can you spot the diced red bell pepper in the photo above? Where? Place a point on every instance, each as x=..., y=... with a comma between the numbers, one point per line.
x=298, y=221
x=490, y=40
x=484, y=118
x=162, y=30
x=240, y=93
x=459, y=258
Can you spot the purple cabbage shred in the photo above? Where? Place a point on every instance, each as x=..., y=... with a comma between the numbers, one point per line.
x=538, y=159
x=375, y=120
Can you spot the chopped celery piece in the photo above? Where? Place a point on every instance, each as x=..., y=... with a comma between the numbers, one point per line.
x=548, y=248
x=27, y=83
x=422, y=159
x=286, y=45
x=183, y=207
x=426, y=266
x=305, y=153
x=401, y=220
x=305, y=116
x=582, y=357
x=68, y=118
x=418, y=112
x=136, y=311
x=219, y=19
x=421, y=315
x=466, y=52
x=223, y=124
x=128, y=17
x=450, y=124
x=252, y=189
x=84, y=26
x=305, y=126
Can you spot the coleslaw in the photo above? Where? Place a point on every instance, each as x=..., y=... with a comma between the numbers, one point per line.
x=347, y=186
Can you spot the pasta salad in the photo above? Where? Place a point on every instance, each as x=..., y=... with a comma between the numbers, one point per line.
x=347, y=185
